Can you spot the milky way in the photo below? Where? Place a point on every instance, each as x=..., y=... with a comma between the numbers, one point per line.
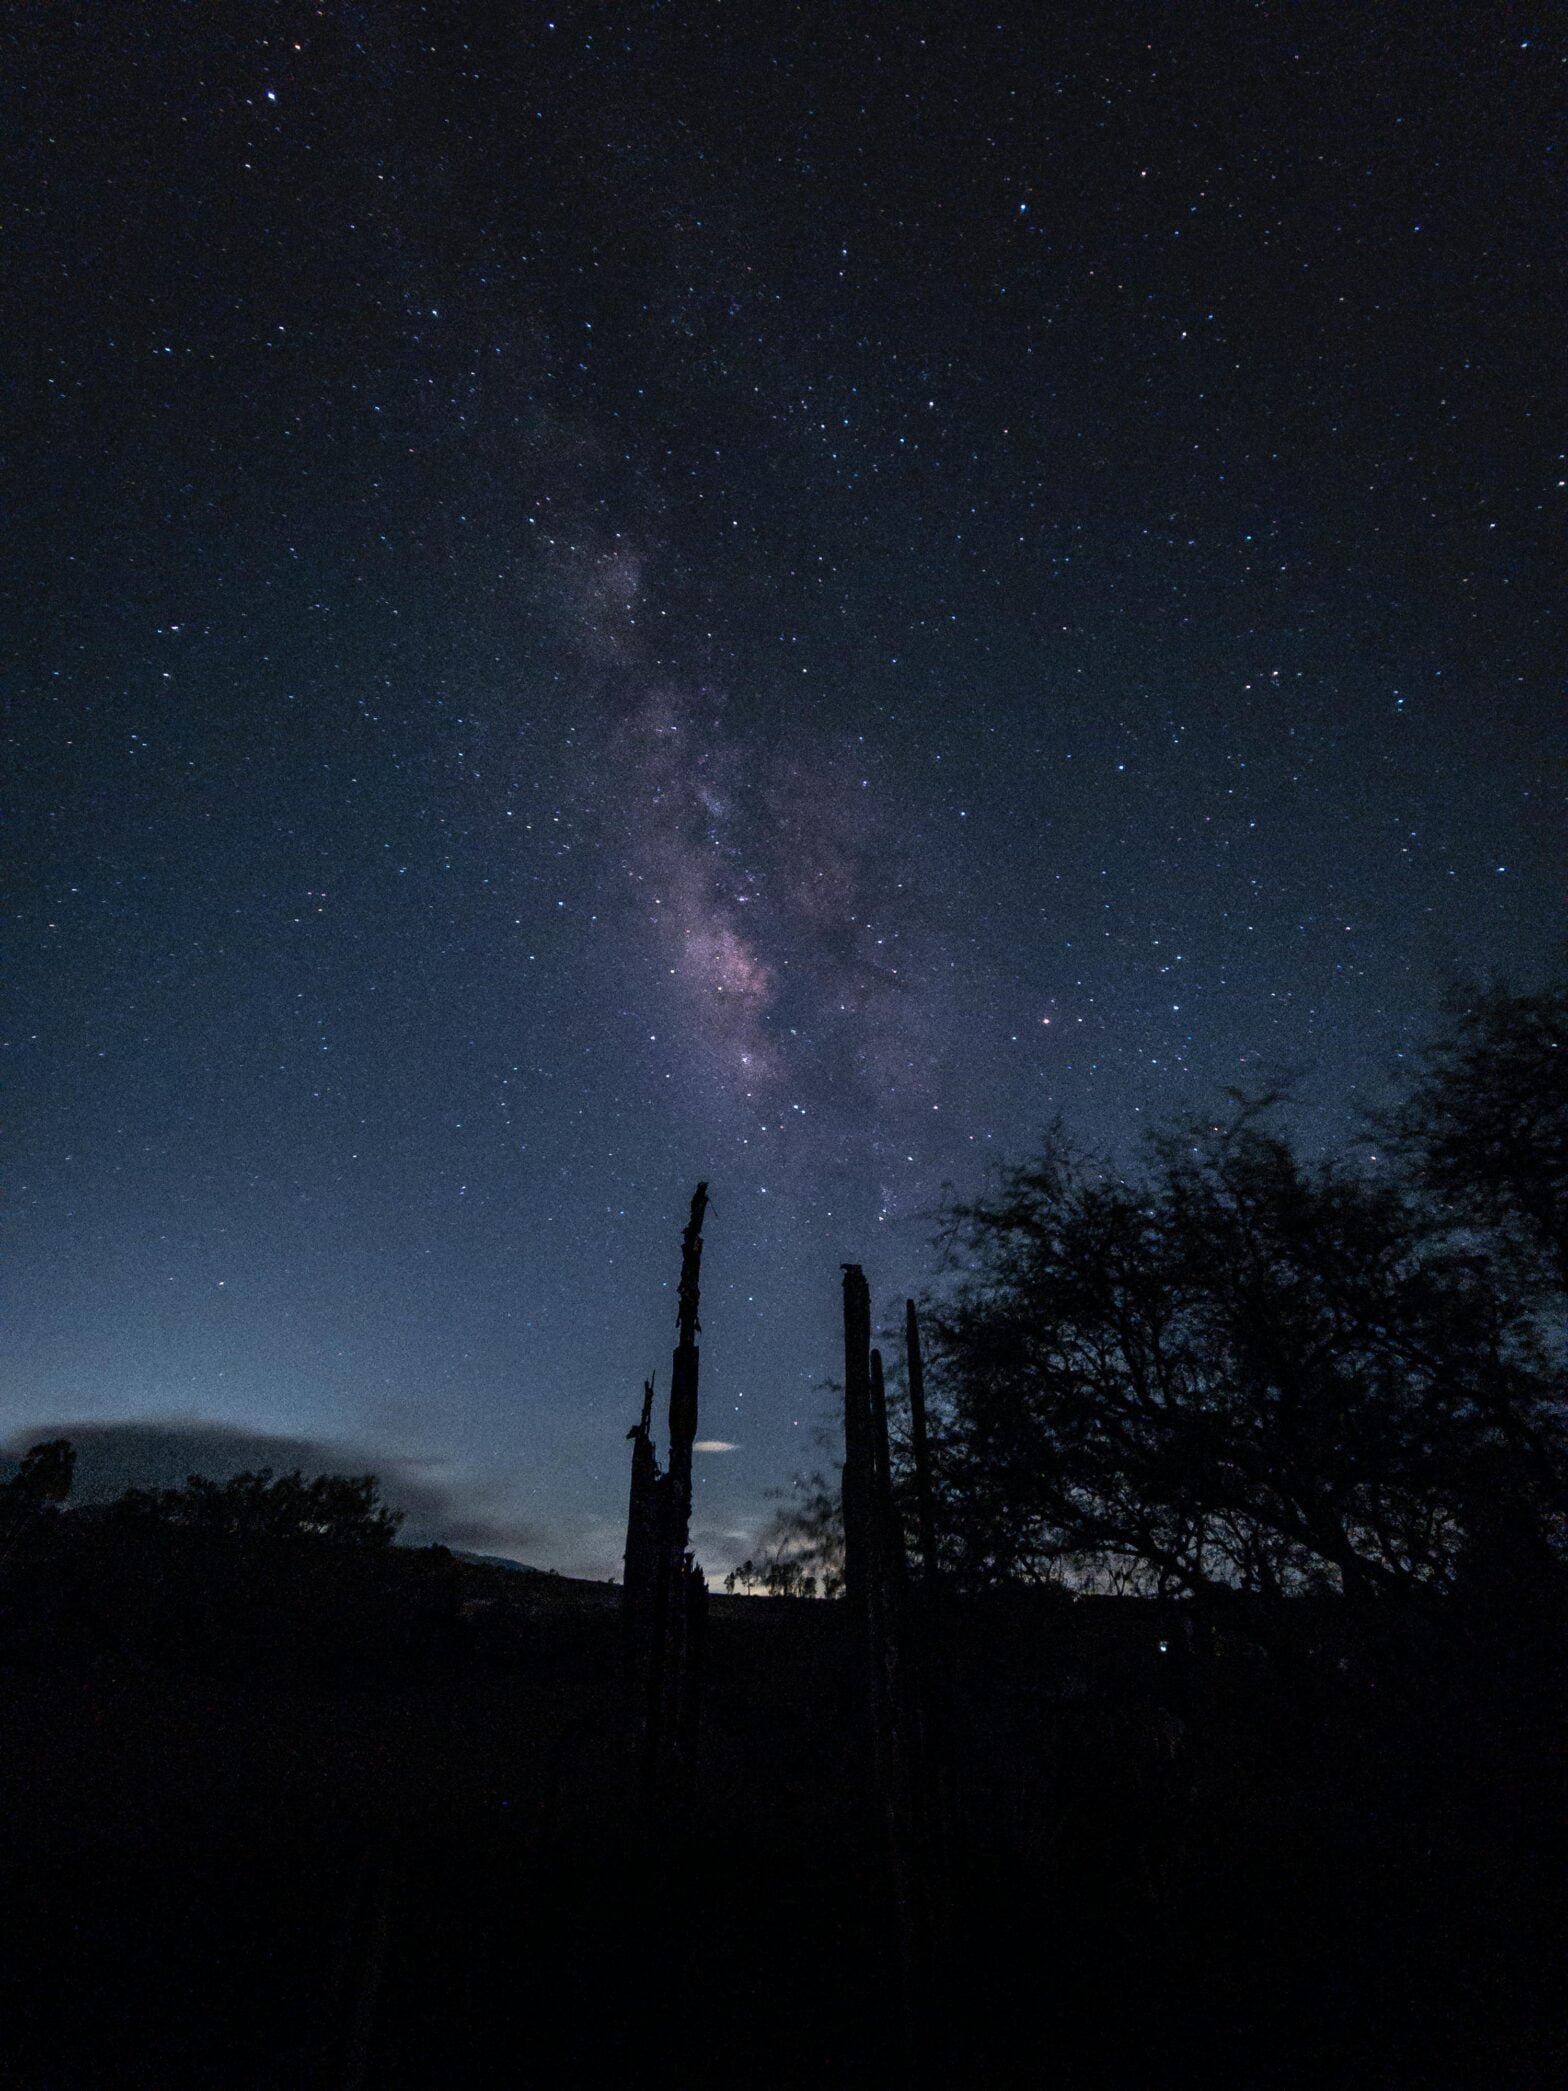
x=769, y=877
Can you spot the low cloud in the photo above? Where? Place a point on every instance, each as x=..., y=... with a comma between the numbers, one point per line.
x=438, y=1500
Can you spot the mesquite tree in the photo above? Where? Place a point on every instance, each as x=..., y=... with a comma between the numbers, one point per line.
x=1234, y=1366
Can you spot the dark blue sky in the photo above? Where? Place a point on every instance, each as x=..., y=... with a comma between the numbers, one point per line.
x=610, y=596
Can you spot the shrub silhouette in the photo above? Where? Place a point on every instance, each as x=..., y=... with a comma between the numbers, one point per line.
x=1233, y=1365
x=337, y=1509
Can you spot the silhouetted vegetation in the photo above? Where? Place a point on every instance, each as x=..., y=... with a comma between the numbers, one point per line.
x=1233, y=1367
x=42, y=1479
x=1236, y=1367
x=336, y=1509
x=35, y=1492
x=1483, y=1131
x=287, y=1804
x=664, y=1593
x=272, y=1804
x=800, y=1549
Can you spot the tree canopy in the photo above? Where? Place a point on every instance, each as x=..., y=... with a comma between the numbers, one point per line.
x=1484, y=1128
x=1234, y=1366
x=340, y=1509
x=44, y=1477
x=800, y=1551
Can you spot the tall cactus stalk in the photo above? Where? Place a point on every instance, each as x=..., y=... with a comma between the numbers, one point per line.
x=665, y=1596
x=888, y=1537
x=859, y=1457
x=683, y=1373
x=642, y=1529
x=925, y=1518
x=874, y=1579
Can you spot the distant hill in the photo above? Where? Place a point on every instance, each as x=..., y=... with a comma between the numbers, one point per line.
x=463, y=1553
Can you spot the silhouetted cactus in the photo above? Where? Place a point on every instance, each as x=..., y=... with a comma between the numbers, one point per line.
x=925, y=1519
x=642, y=1530
x=874, y=1586
x=665, y=1596
x=859, y=1457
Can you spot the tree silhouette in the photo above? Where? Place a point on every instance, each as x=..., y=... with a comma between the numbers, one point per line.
x=801, y=1548
x=44, y=1477
x=1484, y=1130
x=1233, y=1367
x=339, y=1509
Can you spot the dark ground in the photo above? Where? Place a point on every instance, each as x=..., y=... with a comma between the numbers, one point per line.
x=291, y=1818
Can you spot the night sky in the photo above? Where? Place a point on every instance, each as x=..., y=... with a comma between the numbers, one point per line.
x=606, y=597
